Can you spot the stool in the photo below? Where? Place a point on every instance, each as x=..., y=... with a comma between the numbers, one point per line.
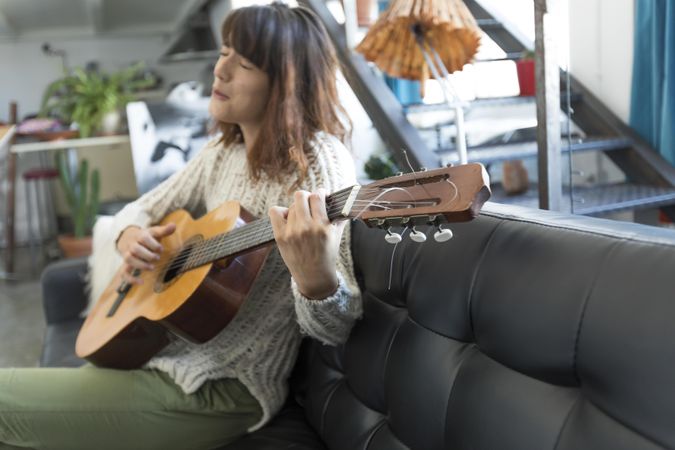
x=33, y=178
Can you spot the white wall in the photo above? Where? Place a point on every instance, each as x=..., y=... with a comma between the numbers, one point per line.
x=25, y=71
x=600, y=42
x=601, y=48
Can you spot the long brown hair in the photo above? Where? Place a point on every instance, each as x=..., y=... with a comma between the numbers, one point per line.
x=292, y=46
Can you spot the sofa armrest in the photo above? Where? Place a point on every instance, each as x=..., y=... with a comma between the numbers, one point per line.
x=64, y=293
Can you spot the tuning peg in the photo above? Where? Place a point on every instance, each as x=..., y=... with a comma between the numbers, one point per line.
x=417, y=236
x=442, y=235
x=392, y=238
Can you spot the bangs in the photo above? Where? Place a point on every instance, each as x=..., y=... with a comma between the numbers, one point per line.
x=252, y=32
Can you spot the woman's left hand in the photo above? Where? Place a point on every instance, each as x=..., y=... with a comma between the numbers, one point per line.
x=308, y=243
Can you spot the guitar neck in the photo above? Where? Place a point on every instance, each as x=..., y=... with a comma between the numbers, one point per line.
x=254, y=234
x=450, y=194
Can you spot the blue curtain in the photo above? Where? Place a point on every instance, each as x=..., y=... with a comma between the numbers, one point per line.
x=653, y=93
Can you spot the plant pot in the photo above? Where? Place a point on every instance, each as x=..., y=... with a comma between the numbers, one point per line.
x=111, y=123
x=73, y=247
x=526, y=78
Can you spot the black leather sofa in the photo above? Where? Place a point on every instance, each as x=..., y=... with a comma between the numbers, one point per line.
x=528, y=330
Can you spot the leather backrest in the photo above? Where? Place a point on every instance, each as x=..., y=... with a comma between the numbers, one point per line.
x=527, y=330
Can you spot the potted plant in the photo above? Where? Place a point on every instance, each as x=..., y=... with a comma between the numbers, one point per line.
x=380, y=166
x=89, y=97
x=526, y=77
x=81, y=190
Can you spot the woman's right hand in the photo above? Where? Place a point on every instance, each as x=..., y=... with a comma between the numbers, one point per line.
x=140, y=248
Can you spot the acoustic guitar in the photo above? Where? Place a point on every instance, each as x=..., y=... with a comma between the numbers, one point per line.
x=208, y=265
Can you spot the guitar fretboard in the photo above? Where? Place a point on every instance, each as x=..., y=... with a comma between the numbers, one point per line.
x=250, y=236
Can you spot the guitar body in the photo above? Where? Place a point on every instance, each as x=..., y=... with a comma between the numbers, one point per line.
x=124, y=331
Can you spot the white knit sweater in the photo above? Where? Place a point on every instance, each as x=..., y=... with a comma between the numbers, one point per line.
x=260, y=345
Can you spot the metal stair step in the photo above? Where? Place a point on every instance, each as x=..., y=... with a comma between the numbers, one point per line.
x=489, y=24
x=494, y=153
x=487, y=102
x=596, y=200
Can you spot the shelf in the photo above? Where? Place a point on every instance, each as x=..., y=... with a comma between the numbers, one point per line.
x=70, y=143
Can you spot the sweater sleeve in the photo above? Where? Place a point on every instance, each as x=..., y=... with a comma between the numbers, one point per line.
x=330, y=320
x=184, y=189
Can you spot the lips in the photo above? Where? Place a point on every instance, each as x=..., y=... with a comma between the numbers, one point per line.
x=219, y=95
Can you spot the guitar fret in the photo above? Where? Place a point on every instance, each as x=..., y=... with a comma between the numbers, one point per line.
x=253, y=234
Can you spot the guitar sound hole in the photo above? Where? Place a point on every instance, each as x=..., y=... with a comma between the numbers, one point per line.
x=176, y=266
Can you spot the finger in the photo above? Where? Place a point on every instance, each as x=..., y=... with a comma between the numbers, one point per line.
x=317, y=206
x=137, y=263
x=300, y=207
x=161, y=231
x=151, y=243
x=278, y=217
x=143, y=253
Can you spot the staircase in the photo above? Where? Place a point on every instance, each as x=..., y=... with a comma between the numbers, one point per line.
x=649, y=179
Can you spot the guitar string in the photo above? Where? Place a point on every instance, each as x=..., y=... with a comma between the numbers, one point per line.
x=207, y=250
x=234, y=241
x=213, y=247
x=252, y=228
x=210, y=249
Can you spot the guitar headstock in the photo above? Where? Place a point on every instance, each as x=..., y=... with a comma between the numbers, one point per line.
x=449, y=194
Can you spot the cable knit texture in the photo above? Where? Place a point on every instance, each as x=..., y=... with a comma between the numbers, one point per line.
x=260, y=345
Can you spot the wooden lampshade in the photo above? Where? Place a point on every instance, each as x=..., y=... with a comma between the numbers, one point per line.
x=447, y=26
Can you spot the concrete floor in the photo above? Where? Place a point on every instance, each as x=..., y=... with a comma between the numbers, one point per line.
x=22, y=321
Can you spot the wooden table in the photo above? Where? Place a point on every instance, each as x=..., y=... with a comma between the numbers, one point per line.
x=41, y=146
x=62, y=144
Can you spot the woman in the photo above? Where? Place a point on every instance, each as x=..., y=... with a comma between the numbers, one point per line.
x=274, y=99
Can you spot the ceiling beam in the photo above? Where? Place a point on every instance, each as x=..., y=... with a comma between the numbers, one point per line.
x=95, y=15
x=135, y=31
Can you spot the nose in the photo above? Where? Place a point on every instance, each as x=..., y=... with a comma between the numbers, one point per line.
x=222, y=68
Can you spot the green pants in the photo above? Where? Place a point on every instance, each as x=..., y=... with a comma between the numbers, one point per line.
x=91, y=408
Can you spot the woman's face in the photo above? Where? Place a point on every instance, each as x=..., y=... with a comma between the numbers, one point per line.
x=240, y=90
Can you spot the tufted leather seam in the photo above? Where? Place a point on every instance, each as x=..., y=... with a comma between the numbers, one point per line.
x=564, y=424
x=413, y=321
x=625, y=425
x=585, y=308
x=475, y=277
x=376, y=298
x=391, y=341
x=329, y=397
x=452, y=388
x=376, y=428
x=386, y=358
